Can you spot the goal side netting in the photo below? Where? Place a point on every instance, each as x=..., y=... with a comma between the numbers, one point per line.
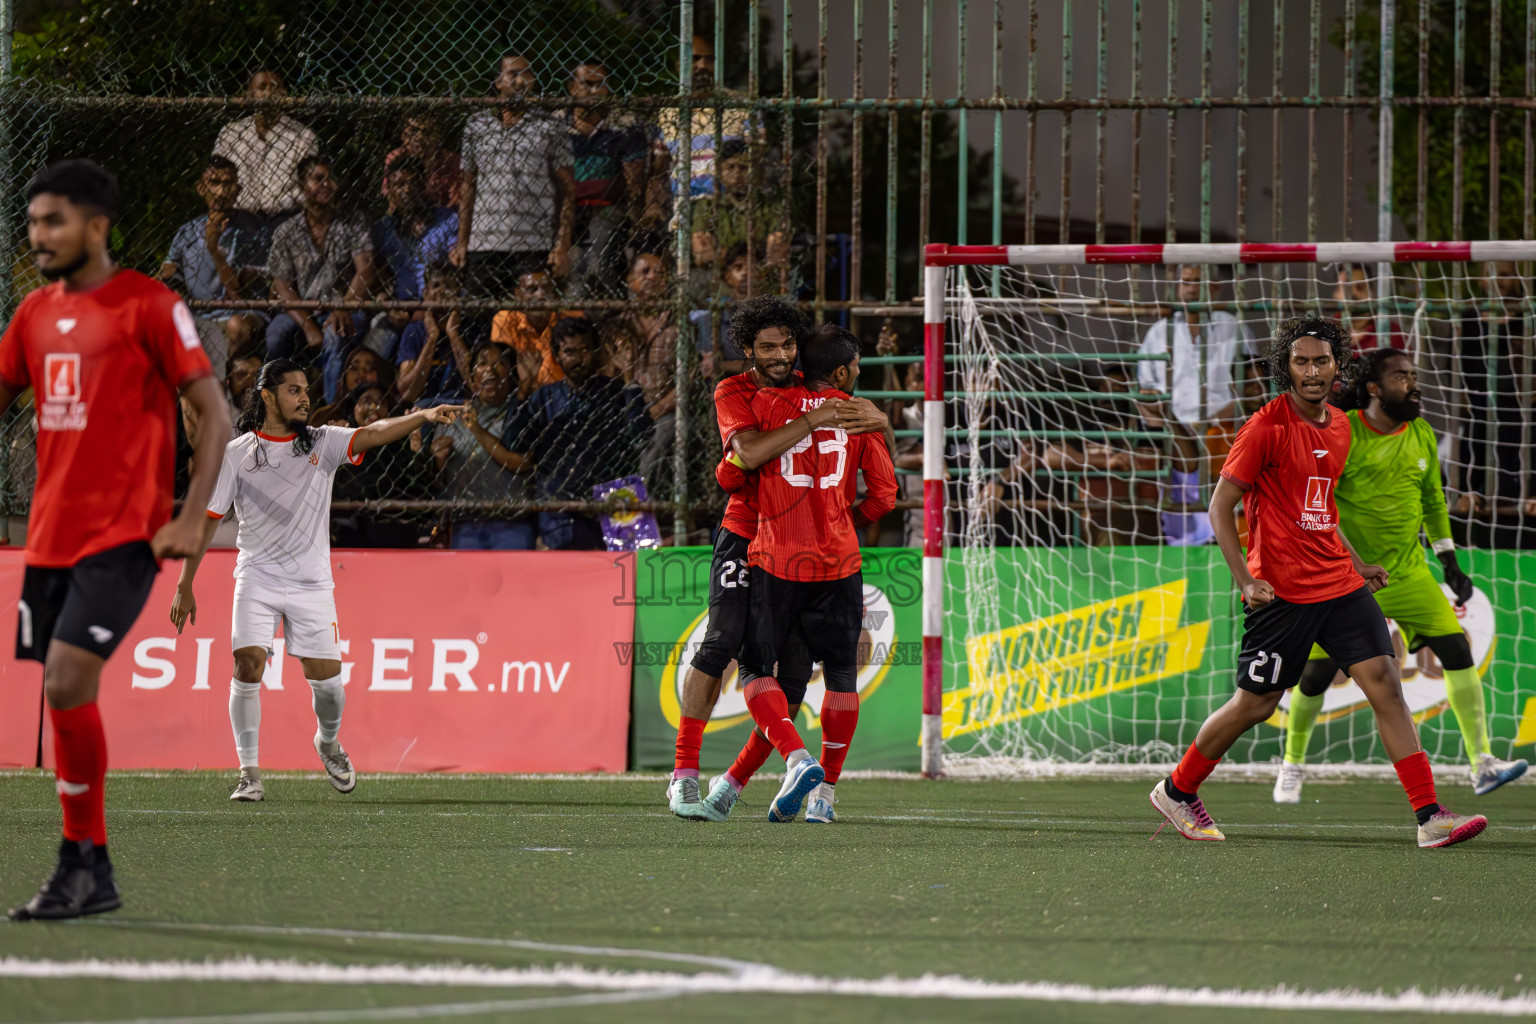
x=1078, y=404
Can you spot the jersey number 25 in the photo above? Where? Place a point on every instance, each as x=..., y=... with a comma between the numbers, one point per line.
x=838, y=443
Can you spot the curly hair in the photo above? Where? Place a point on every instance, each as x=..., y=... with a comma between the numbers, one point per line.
x=757, y=314
x=1368, y=370
x=1323, y=329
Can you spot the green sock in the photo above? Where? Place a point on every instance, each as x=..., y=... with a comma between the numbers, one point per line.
x=1464, y=690
x=1299, y=721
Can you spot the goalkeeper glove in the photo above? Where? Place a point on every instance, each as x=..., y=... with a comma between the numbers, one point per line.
x=1459, y=582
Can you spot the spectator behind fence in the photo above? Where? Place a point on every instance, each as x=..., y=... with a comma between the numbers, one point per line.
x=515, y=203
x=1203, y=348
x=1352, y=284
x=578, y=432
x=321, y=254
x=220, y=255
x=616, y=194
x=435, y=358
x=1229, y=420
x=904, y=414
x=641, y=346
x=734, y=123
x=413, y=236
x=721, y=225
x=266, y=149
x=362, y=366
x=396, y=472
x=421, y=137
x=735, y=286
x=527, y=332
x=1496, y=368
x=476, y=458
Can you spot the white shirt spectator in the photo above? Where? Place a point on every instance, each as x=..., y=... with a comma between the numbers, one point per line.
x=1206, y=366
x=268, y=167
x=515, y=191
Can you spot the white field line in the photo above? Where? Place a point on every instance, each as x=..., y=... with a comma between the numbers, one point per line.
x=771, y=981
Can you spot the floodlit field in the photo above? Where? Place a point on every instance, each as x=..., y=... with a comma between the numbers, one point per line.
x=427, y=898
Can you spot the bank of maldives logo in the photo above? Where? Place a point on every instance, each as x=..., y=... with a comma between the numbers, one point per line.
x=63, y=407
x=1317, y=493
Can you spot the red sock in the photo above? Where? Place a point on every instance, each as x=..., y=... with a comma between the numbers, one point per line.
x=752, y=757
x=690, y=734
x=770, y=710
x=1417, y=779
x=839, y=718
x=1192, y=770
x=80, y=768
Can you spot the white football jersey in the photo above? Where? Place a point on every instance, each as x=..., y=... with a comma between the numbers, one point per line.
x=283, y=502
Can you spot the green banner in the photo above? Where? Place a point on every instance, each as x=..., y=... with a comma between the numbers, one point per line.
x=671, y=597
x=1119, y=654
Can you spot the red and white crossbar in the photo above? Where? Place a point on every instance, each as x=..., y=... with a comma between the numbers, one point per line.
x=1233, y=252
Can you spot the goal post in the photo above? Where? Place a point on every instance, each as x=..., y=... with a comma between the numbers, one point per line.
x=1073, y=611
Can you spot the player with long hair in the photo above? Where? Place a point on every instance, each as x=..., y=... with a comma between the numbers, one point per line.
x=105, y=352
x=1389, y=490
x=1302, y=584
x=276, y=476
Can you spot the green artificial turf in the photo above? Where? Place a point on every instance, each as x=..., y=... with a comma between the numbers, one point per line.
x=1052, y=881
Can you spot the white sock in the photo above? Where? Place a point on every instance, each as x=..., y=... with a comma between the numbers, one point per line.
x=245, y=719
x=330, y=698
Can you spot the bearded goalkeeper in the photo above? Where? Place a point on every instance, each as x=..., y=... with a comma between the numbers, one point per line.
x=1389, y=489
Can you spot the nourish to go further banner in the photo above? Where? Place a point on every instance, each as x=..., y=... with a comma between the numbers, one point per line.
x=452, y=661
x=671, y=612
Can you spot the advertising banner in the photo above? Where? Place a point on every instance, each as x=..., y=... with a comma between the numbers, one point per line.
x=1119, y=654
x=426, y=638
x=671, y=612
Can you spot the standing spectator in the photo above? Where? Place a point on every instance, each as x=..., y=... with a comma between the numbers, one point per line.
x=434, y=357
x=266, y=149
x=641, y=344
x=475, y=455
x=735, y=123
x=527, y=332
x=615, y=191
x=515, y=202
x=1204, y=348
x=220, y=255
x=322, y=255
x=578, y=432
x=1353, y=285
x=413, y=237
x=1495, y=362
x=720, y=225
x=421, y=137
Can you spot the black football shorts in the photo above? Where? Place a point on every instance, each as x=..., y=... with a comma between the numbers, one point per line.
x=91, y=604
x=1278, y=637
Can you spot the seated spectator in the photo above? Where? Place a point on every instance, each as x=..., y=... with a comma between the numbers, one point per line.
x=421, y=138
x=392, y=472
x=266, y=149
x=434, y=357
x=515, y=204
x=720, y=225
x=475, y=456
x=617, y=194
x=641, y=345
x=578, y=432
x=412, y=237
x=362, y=367
x=1353, y=285
x=220, y=255
x=736, y=284
x=527, y=332
x=323, y=255
x=240, y=377
x=734, y=123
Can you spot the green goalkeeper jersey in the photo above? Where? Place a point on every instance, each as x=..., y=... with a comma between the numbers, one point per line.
x=1390, y=488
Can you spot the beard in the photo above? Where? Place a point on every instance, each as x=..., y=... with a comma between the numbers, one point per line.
x=56, y=271
x=1409, y=409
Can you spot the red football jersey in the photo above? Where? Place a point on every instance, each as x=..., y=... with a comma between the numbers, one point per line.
x=105, y=366
x=1289, y=466
x=806, y=524
x=733, y=411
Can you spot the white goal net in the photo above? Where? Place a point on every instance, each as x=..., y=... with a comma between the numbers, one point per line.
x=1078, y=611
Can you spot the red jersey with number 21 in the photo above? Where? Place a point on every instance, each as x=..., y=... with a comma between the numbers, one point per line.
x=1289, y=466
x=104, y=366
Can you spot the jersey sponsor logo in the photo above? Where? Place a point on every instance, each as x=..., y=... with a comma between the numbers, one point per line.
x=65, y=325
x=1423, y=465
x=62, y=408
x=314, y=458
x=186, y=328
x=1320, y=452
x=1317, y=493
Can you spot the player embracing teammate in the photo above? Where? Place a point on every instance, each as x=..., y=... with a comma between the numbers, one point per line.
x=1302, y=584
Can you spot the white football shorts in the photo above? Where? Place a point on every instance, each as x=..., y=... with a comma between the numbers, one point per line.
x=308, y=618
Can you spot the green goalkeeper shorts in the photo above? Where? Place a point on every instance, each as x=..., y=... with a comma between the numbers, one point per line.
x=1418, y=606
